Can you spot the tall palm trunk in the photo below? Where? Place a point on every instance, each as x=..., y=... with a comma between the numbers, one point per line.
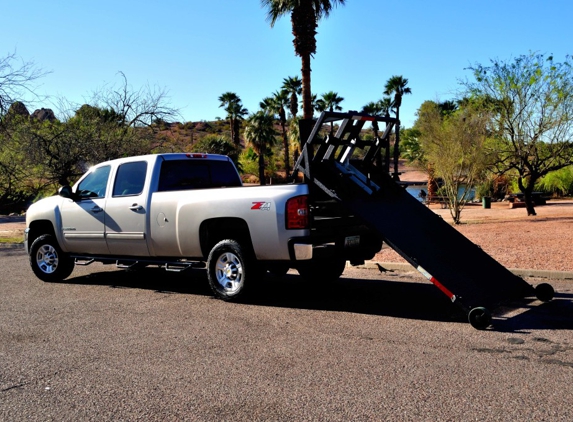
x=304, y=24
x=282, y=117
x=262, y=180
x=396, y=175
x=306, y=92
x=232, y=128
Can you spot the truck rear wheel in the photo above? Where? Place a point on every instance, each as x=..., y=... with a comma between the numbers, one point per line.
x=48, y=261
x=228, y=269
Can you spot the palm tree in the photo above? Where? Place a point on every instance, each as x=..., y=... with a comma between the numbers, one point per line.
x=379, y=108
x=294, y=137
x=293, y=85
x=374, y=109
x=386, y=106
x=277, y=105
x=260, y=133
x=239, y=112
x=396, y=85
x=330, y=101
x=305, y=15
x=233, y=105
x=315, y=104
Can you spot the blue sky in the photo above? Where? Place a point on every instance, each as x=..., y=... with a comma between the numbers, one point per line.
x=197, y=50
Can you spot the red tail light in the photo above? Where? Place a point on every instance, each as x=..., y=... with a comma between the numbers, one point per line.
x=297, y=213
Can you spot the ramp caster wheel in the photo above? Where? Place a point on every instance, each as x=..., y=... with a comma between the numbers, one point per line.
x=479, y=318
x=544, y=292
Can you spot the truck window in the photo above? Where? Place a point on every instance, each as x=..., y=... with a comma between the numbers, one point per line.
x=224, y=174
x=130, y=179
x=196, y=174
x=94, y=184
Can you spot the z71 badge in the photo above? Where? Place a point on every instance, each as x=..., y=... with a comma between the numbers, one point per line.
x=263, y=206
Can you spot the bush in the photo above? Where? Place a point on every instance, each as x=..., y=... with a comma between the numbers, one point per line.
x=557, y=183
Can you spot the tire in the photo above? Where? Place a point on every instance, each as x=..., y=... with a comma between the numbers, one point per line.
x=479, y=318
x=322, y=270
x=47, y=260
x=230, y=269
x=544, y=292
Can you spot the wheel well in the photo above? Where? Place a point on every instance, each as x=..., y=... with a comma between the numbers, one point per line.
x=38, y=228
x=213, y=231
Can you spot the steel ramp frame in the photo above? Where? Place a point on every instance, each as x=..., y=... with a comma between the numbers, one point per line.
x=353, y=172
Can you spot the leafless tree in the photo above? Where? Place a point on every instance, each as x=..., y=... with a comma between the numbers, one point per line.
x=136, y=107
x=17, y=79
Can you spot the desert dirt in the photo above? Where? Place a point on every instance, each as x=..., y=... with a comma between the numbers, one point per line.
x=542, y=242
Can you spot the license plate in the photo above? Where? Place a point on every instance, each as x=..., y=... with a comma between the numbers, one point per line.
x=352, y=241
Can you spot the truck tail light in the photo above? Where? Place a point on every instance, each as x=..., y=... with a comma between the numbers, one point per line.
x=297, y=213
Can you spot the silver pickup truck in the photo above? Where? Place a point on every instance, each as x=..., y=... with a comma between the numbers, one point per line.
x=181, y=211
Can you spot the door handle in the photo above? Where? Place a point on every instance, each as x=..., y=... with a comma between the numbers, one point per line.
x=96, y=209
x=136, y=207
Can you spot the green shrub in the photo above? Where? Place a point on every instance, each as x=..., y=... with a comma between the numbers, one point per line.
x=557, y=183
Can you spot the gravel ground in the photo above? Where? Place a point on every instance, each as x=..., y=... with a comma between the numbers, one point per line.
x=109, y=345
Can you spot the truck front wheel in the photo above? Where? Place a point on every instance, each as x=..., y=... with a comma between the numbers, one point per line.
x=228, y=269
x=48, y=261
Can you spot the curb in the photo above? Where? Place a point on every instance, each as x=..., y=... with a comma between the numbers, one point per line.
x=11, y=246
x=403, y=267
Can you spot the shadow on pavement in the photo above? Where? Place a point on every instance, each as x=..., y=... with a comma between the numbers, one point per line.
x=534, y=315
x=383, y=297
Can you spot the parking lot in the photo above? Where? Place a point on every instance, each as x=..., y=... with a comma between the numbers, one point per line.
x=150, y=345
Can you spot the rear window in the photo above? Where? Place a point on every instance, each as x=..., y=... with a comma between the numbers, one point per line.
x=197, y=174
x=130, y=179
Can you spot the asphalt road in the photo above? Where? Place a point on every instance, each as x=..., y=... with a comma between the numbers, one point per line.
x=149, y=345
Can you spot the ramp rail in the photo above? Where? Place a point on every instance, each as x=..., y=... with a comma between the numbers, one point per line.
x=354, y=169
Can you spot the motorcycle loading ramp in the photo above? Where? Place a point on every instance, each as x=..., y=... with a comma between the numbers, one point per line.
x=356, y=173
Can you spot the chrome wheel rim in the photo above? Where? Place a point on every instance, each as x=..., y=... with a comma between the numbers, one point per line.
x=47, y=259
x=229, y=272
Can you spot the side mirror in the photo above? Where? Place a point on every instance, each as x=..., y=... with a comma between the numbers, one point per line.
x=66, y=192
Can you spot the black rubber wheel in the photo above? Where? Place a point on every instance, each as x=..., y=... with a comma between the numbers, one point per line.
x=544, y=292
x=479, y=318
x=322, y=270
x=48, y=261
x=229, y=270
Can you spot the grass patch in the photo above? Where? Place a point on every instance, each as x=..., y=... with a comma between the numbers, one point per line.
x=17, y=239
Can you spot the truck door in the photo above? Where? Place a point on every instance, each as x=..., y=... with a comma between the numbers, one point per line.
x=83, y=218
x=126, y=213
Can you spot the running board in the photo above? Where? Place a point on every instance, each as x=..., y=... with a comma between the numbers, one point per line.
x=128, y=263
